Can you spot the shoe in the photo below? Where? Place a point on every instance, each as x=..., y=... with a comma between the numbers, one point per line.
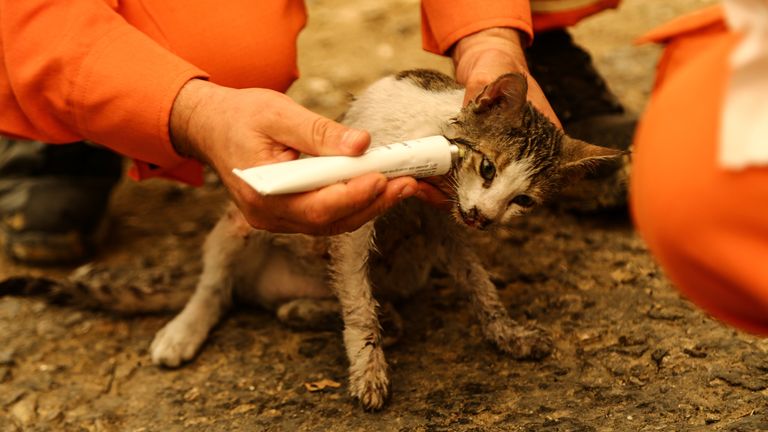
x=588, y=111
x=53, y=199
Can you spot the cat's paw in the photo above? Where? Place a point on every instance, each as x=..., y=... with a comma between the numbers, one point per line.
x=311, y=314
x=177, y=342
x=521, y=342
x=368, y=381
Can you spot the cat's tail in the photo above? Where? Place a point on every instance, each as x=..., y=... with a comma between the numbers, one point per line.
x=123, y=300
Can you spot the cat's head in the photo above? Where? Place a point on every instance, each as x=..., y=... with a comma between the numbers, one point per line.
x=514, y=158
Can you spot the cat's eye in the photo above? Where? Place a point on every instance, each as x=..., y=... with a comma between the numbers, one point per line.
x=523, y=201
x=487, y=170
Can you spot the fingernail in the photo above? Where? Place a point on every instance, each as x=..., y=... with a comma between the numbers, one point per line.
x=351, y=139
x=407, y=191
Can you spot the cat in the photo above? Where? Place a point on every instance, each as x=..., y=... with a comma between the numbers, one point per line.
x=514, y=159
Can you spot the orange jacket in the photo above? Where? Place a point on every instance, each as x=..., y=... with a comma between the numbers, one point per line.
x=108, y=70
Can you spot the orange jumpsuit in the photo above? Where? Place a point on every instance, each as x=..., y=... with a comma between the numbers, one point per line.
x=706, y=225
x=108, y=70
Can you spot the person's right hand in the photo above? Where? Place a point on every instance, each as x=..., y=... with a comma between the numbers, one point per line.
x=230, y=128
x=482, y=57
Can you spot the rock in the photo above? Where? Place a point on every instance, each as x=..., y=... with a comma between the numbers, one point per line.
x=6, y=356
x=73, y=318
x=756, y=360
x=25, y=410
x=50, y=406
x=738, y=379
x=752, y=423
x=9, y=395
x=48, y=329
x=242, y=409
x=695, y=352
x=623, y=276
x=272, y=413
x=658, y=355
x=197, y=421
x=192, y=394
x=667, y=313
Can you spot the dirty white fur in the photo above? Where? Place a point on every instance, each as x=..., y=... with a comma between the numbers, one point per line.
x=283, y=271
x=396, y=110
x=512, y=181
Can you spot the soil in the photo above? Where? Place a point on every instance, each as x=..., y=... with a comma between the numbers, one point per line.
x=631, y=354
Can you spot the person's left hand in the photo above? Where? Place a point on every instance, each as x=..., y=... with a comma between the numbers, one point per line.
x=479, y=59
x=482, y=57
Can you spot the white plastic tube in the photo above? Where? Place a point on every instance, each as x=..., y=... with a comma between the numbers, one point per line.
x=422, y=157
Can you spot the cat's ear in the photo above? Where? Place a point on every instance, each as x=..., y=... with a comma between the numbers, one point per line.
x=583, y=160
x=507, y=91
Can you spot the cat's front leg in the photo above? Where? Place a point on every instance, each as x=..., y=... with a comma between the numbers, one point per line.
x=368, y=379
x=179, y=340
x=521, y=342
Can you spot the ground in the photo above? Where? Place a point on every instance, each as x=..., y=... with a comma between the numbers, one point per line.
x=631, y=354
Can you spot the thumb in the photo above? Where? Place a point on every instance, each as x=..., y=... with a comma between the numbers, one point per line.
x=323, y=136
x=314, y=134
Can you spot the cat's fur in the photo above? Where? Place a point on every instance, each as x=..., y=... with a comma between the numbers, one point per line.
x=307, y=278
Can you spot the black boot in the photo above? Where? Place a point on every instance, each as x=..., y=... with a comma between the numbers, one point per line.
x=53, y=199
x=588, y=111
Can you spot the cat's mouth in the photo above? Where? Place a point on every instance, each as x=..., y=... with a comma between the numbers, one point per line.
x=473, y=218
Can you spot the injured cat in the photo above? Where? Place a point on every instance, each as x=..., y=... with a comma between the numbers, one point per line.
x=514, y=158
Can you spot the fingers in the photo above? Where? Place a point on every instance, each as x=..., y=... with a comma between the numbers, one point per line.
x=539, y=100
x=472, y=88
x=433, y=196
x=396, y=191
x=484, y=56
x=331, y=210
x=328, y=205
x=308, y=132
x=490, y=69
x=475, y=86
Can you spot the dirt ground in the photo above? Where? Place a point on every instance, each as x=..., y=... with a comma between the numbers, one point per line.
x=631, y=355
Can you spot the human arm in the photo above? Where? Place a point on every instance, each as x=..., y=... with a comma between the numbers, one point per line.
x=78, y=70
x=482, y=57
x=484, y=43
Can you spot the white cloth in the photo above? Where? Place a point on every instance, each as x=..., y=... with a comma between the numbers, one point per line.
x=744, y=131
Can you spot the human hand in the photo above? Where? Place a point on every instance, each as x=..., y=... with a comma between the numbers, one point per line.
x=436, y=191
x=482, y=57
x=230, y=128
x=479, y=59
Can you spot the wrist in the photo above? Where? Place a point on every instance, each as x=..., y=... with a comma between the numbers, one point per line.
x=184, y=127
x=500, y=38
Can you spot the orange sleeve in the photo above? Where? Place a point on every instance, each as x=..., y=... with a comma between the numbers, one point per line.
x=76, y=70
x=445, y=22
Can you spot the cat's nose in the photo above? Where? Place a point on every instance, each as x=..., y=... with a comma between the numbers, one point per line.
x=474, y=218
